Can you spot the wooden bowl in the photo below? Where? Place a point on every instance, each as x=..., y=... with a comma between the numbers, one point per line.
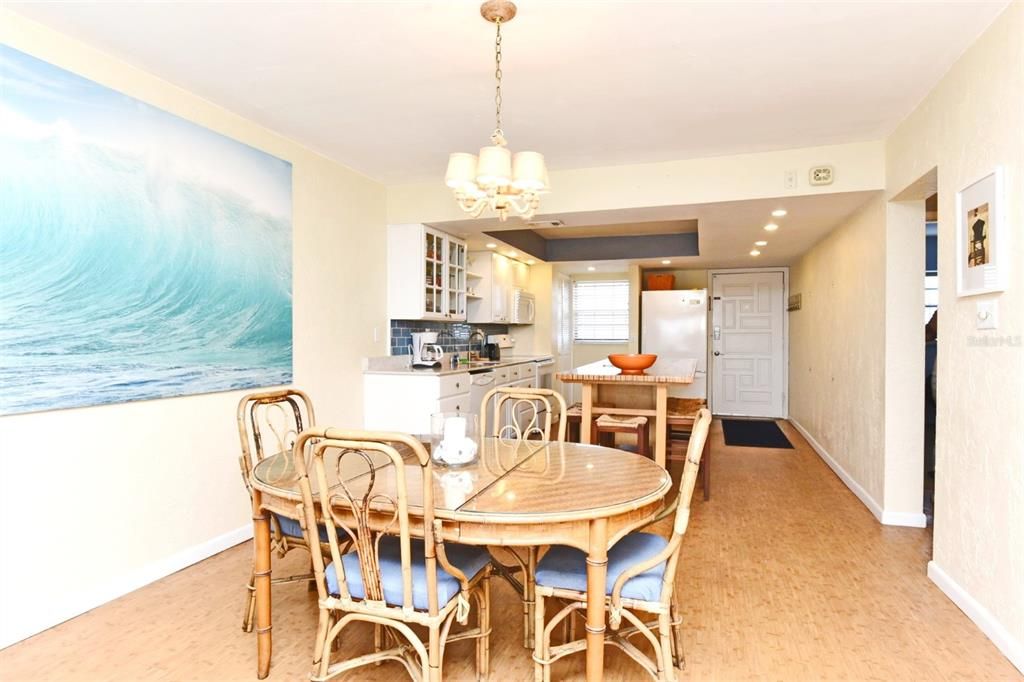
x=632, y=363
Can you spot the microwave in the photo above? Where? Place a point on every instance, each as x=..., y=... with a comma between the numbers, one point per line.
x=524, y=306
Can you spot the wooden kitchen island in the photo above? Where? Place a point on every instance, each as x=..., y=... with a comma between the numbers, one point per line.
x=606, y=390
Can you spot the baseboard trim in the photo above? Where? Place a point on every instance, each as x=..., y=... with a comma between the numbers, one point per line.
x=888, y=518
x=1012, y=648
x=855, y=487
x=71, y=604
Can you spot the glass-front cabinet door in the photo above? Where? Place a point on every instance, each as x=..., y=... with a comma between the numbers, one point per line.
x=456, y=290
x=433, y=291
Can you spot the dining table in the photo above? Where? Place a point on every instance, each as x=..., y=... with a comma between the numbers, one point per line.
x=609, y=390
x=517, y=493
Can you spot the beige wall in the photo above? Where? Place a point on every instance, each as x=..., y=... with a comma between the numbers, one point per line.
x=836, y=342
x=970, y=123
x=128, y=493
x=859, y=166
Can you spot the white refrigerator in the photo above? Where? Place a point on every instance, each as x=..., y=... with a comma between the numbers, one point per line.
x=674, y=324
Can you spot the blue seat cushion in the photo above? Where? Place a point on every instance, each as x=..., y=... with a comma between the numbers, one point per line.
x=469, y=560
x=566, y=567
x=291, y=528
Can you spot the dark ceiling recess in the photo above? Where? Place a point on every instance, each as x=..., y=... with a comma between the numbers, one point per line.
x=600, y=248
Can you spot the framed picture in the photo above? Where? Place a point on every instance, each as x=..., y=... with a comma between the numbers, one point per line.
x=981, y=237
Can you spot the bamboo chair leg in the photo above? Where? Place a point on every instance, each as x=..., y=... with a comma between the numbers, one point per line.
x=326, y=645
x=541, y=668
x=250, y=603
x=529, y=588
x=483, y=643
x=378, y=639
x=677, y=636
x=434, y=654
x=323, y=624
x=665, y=668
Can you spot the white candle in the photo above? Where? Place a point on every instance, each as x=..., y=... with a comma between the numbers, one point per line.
x=454, y=430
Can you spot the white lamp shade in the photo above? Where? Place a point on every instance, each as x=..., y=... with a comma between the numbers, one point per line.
x=461, y=172
x=495, y=166
x=529, y=171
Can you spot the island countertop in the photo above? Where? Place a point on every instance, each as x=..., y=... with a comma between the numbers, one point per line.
x=664, y=371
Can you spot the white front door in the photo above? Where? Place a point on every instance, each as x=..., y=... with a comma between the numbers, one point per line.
x=748, y=344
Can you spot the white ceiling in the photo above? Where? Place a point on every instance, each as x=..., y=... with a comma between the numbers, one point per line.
x=727, y=230
x=390, y=88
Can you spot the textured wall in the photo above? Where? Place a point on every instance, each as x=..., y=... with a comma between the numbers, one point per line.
x=157, y=480
x=971, y=122
x=836, y=345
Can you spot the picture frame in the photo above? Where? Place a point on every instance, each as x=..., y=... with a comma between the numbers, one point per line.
x=982, y=236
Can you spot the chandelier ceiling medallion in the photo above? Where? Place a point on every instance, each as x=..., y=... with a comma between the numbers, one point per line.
x=497, y=179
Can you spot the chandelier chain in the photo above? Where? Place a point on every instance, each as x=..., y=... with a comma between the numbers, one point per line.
x=497, y=76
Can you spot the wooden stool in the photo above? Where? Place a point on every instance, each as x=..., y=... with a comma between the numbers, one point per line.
x=574, y=417
x=681, y=415
x=612, y=424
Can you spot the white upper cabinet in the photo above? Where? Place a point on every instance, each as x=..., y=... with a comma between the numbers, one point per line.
x=491, y=278
x=426, y=274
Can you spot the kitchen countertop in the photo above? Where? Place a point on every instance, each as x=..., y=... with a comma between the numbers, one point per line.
x=399, y=365
x=664, y=371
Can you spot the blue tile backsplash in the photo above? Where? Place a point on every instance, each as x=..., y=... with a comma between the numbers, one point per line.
x=453, y=337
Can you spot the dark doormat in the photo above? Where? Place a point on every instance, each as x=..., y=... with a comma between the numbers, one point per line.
x=754, y=434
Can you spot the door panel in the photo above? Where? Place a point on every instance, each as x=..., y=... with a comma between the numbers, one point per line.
x=748, y=344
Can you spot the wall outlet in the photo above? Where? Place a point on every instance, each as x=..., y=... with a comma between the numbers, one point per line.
x=789, y=179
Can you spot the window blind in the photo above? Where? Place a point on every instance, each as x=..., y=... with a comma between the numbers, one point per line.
x=600, y=310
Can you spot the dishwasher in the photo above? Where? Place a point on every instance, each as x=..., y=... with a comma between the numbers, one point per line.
x=480, y=382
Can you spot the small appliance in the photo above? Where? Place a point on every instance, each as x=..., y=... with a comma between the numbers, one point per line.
x=425, y=352
x=524, y=306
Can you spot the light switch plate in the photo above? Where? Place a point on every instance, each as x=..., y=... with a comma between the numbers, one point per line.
x=987, y=315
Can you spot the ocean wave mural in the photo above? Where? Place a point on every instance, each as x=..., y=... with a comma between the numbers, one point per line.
x=141, y=256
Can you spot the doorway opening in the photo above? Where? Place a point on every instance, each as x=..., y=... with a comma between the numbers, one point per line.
x=931, y=317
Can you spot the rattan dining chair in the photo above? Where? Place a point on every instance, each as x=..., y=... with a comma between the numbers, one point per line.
x=269, y=423
x=641, y=579
x=522, y=414
x=364, y=491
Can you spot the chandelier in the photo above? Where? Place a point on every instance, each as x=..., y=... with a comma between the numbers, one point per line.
x=497, y=179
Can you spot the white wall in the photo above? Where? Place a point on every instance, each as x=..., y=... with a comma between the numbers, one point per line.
x=971, y=122
x=127, y=493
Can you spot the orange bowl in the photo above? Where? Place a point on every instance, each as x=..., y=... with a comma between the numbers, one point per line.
x=632, y=363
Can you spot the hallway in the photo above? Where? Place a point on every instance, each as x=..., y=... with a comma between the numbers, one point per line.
x=784, y=576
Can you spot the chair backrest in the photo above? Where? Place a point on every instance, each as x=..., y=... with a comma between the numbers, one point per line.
x=521, y=413
x=694, y=450
x=372, y=479
x=269, y=423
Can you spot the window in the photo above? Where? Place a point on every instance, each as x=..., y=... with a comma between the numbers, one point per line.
x=600, y=311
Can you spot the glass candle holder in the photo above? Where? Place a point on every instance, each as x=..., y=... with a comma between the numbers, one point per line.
x=454, y=438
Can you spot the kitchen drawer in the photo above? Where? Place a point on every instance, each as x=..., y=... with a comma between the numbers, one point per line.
x=455, y=403
x=528, y=370
x=453, y=384
x=515, y=372
x=501, y=376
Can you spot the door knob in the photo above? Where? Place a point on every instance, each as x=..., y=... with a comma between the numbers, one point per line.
x=717, y=353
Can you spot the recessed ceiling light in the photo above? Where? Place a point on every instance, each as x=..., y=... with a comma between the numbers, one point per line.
x=531, y=262
x=761, y=243
x=511, y=254
x=591, y=268
x=755, y=252
x=491, y=245
x=771, y=227
x=778, y=213
x=666, y=262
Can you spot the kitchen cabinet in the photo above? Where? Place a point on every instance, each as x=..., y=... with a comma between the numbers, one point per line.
x=492, y=278
x=403, y=402
x=426, y=274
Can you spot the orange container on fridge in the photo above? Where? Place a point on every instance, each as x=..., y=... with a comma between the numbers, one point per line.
x=657, y=282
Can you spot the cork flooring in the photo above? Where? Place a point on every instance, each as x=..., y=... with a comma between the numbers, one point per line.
x=784, y=576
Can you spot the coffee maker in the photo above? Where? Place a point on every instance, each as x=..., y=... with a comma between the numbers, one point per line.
x=425, y=352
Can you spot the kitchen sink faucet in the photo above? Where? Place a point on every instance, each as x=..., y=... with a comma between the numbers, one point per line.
x=483, y=339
